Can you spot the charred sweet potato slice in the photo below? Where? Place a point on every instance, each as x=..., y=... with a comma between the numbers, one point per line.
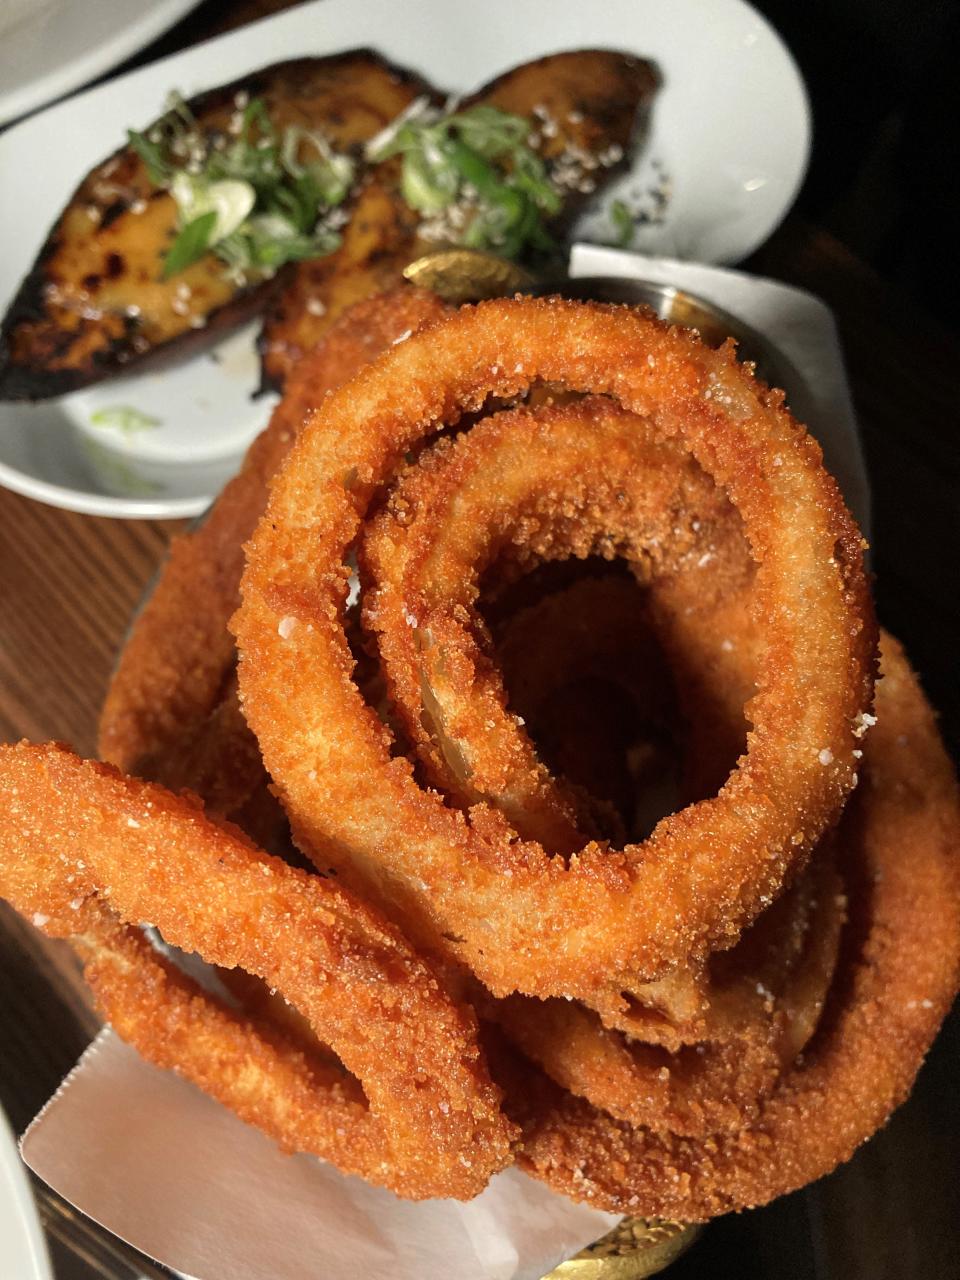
x=378, y=242
x=95, y=301
x=586, y=106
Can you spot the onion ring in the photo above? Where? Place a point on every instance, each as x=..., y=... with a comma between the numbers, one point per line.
x=899, y=970
x=658, y=904
x=762, y=1000
x=493, y=493
x=762, y=1009
x=85, y=851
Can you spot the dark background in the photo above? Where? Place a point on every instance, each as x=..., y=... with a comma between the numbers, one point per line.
x=884, y=81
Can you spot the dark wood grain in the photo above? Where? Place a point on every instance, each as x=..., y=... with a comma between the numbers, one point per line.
x=69, y=585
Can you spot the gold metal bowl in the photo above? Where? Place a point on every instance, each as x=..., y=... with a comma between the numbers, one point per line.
x=635, y=1248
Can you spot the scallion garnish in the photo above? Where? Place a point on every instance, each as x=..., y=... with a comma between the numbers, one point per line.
x=125, y=418
x=255, y=196
x=623, y=223
x=476, y=168
x=192, y=242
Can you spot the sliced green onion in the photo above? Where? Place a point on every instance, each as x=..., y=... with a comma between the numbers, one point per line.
x=429, y=182
x=151, y=153
x=191, y=243
x=229, y=199
x=623, y=223
x=481, y=158
x=330, y=174
x=491, y=132
x=125, y=418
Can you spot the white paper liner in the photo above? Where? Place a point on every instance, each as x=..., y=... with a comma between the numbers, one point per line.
x=179, y=1177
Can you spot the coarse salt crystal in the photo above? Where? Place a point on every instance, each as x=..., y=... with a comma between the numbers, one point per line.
x=132, y=822
x=863, y=722
x=825, y=756
x=403, y=337
x=39, y=919
x=285, y=627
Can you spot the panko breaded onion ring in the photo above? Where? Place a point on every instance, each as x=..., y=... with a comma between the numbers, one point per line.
x=521, y=919
x=898, y=973
x=763, y=1006
x=577, y=479
x=528, y=485
x=172, y=673
x=85, y=851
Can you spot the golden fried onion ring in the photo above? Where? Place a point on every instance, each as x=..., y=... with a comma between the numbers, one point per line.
x=763, y=1006
x=581, y=478
x=577, y=479
x=521, y=919
x=85, y=851
x=899, y=970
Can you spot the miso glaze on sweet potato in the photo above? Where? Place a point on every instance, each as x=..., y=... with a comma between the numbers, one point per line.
x=586, y=106
x=95, y=302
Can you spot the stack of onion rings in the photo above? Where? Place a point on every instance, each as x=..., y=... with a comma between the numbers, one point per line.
x=329, y=755
x=693, y=1022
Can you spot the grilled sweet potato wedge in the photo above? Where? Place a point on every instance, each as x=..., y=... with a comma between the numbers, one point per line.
x=95, y=301
x=378, y=242
x=587, y=106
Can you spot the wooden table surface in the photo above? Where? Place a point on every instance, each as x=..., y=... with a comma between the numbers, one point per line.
x=69, y=584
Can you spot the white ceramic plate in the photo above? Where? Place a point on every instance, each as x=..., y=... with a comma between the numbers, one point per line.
x=730, y=133
x=48, y=47
x=23, y=1253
